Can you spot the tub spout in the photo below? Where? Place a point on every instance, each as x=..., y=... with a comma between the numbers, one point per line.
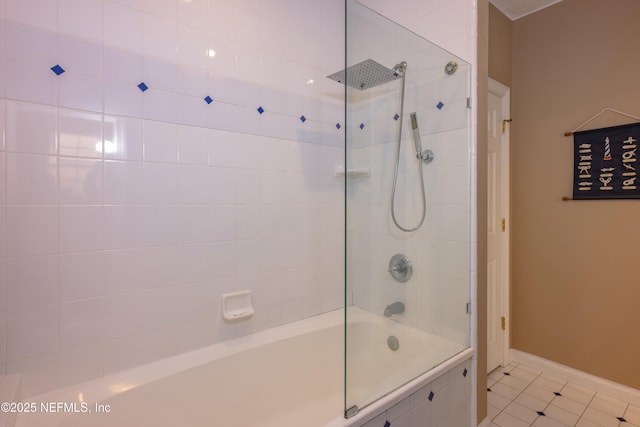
x=395, y=308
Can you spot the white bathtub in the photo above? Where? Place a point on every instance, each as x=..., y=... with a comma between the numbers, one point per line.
x=287, y=376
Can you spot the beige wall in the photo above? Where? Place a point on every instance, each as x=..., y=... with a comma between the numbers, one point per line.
x=481, y=179
x=576, y=286
x=500, y=41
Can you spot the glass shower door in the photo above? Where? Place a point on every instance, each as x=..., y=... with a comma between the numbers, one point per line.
x=407, y=174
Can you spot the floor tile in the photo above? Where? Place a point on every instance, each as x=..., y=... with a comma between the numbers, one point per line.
x=521, y=412
x=496, y=375
x=586, y=423
x=514, y=382
x=608, y=405
x=548, y=384
x=578, y=394
x=523, y=374
x=505, y=391
x=547, y=422
x=506, y=420
x=529, y=369
x=569, y=405
x=553, y=378
x=540, y=393
x=492, y=411
x=496, y=400
x=531, y=402
x=600, y=418
x=632, y=415
x=561, y=415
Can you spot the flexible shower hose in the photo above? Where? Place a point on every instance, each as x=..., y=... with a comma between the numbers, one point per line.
x=402, y=68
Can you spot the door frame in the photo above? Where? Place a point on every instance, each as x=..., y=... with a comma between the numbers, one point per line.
x=504, y=93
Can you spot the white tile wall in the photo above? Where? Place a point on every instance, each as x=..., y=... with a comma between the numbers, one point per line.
x=82, y=18
x=139, y=209
x=122, y=26
x=124, y=206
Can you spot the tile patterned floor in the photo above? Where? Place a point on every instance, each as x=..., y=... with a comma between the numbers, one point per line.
x=520, y=396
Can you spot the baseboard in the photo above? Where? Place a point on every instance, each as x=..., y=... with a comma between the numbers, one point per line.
x=485, y=423
x=574, y=376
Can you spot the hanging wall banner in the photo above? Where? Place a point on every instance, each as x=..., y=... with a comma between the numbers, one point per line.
x=606, y=163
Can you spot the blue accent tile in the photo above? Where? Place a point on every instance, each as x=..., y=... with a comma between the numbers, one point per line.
x=622, y=420
x=431, y=396
x=260, y=110
x=361, y=125
x=557, y=393
x=542, y=414
x=465, y=372
x=507, y=374
x=387, y=424
x=303, y=119
x=143, y=86
x=440, y=105
x=489, y=389
x=338, y=126
x=208, y=99
x=396, y=117
x=57, y=69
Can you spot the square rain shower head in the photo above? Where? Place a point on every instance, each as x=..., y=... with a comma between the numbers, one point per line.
x=365, y=75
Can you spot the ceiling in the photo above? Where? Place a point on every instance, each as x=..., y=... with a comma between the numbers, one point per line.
x=515, y=9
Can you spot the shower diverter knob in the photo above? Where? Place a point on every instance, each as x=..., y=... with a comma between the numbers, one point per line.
x=400, y=268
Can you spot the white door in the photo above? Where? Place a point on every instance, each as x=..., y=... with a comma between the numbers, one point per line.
x=496, y=227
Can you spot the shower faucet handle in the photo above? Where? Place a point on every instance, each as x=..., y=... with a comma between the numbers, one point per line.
x=400, y=267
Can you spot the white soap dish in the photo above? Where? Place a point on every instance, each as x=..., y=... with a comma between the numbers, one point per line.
x=236, y=306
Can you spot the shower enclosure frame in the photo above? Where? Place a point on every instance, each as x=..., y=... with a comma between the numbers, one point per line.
x=453, y=92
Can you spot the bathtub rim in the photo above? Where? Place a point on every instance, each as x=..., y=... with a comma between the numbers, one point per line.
x=102, y=388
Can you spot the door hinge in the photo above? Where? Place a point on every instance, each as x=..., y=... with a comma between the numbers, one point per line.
x=503, y=225
x=468, y=308
x=469, y=102
x=504, y=125
x=503, y=323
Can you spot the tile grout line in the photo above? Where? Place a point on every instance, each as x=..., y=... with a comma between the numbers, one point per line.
x=552, y=399
x=506, y=373
x=518, y=395
x=586, y=407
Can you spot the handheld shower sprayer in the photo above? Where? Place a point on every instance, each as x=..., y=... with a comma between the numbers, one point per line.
x=416, y=134
x=424, y=155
